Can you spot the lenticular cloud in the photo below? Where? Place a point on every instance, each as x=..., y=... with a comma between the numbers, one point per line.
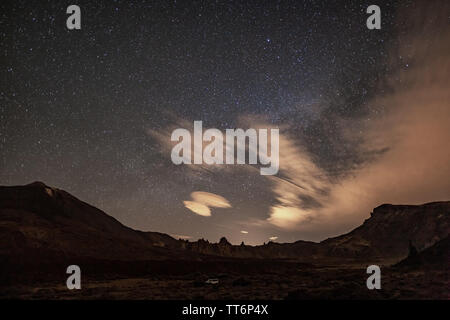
x=203, y=201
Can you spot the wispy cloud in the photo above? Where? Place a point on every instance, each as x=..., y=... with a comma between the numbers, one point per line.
x=301, y=187
x=405, y=150
x=414, y=135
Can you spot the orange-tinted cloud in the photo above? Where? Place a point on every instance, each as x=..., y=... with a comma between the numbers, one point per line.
x=414, y=134
x=202, y=201
x=198, y=208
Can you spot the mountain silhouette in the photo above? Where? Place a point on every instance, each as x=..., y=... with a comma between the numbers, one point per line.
x=44, y=229
x=435, y=257
x=38, y=218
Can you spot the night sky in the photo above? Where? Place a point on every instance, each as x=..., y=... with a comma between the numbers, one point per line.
x=363, y=114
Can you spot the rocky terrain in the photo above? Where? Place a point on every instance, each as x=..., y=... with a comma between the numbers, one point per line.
x=384, y=237
x=44, y=229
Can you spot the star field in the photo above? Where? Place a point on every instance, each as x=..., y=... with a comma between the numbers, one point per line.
x=77, y=105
